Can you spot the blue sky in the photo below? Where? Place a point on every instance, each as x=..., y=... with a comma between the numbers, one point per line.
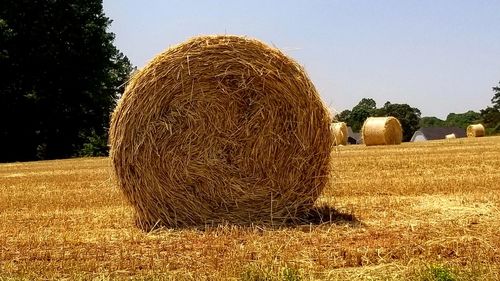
x=439, y=56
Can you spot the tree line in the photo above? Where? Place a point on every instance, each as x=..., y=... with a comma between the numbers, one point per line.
x=61, y=78
x=407, y=115
x=411, y=120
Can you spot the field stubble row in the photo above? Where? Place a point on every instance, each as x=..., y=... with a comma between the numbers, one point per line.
x=414, y=205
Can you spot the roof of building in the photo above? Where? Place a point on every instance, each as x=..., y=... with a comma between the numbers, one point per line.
x=437, y=133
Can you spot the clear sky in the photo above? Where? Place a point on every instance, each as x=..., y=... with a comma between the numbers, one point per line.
x=439, y=56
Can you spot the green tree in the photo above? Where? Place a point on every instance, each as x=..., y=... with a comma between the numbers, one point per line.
x=491, y=119
x=62, y=75
x=344, y=116
x=364, y=109
x=490, y=116
x=431, y=121
x=462, y=120
x=408, y=116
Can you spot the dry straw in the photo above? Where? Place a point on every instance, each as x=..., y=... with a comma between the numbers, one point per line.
x=450, y=136
x=340, y=135
x=475, y=130
x=220, y=129
x=382, y=131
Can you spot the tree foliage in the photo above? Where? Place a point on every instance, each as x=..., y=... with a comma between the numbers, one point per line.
x=463, y=120
x=355, y=117
x=491, y=115
x=62, y=75
x=411, y=119
x=407, y=115
x=344, y=116
x=431, y=121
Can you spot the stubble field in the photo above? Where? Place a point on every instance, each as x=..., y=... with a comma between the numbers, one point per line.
x=417, y=211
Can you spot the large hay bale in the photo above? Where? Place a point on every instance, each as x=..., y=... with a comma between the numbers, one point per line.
x=339, y=132
x=450, y=136
x=382, y=131
x=220, y=129
x=475, y=130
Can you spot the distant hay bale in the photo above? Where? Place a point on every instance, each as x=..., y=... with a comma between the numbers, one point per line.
x=220, y=129
x=475, y=130
x=339, y=132
x=382, y=131
x=450, y=136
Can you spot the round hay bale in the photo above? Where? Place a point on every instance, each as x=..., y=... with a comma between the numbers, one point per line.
x=340, y=135
x=220, y=129
x=382, y=131
x=475, y=130
x=450, y=136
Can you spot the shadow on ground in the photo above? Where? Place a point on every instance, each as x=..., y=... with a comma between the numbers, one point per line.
x=316, y=216
x=327, y=215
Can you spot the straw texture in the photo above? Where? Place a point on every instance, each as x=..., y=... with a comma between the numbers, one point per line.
x=220, y=129
x=475, y=130
x=382, y=131
x=340, y=135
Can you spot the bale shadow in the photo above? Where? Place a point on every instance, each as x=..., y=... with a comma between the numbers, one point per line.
x=324, y=214
x=317, y=216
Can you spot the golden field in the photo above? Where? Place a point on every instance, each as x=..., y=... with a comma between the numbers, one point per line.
x=415, y=211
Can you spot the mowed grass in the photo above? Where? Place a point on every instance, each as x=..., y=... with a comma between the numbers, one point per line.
x=424, y=211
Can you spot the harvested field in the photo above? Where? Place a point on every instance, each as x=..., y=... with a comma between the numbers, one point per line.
x=406, y=211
